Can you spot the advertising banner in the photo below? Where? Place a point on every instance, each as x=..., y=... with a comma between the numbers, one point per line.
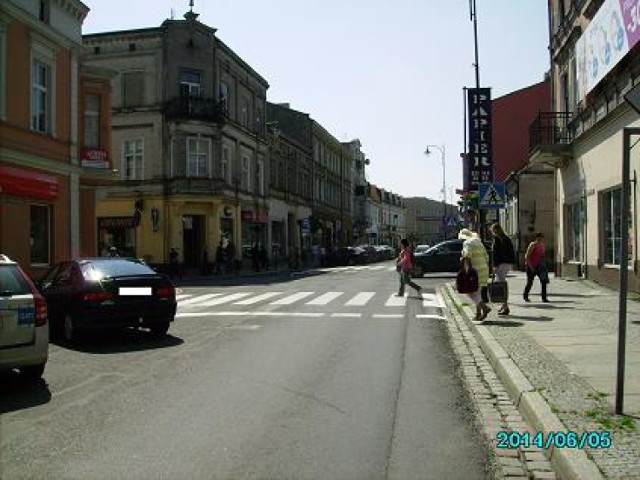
x=613, y=31
x=480, y=164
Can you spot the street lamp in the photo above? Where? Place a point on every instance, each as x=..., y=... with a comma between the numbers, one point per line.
x=444, y=187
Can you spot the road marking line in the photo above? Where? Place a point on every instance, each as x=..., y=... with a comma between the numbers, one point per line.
x=391, y=269
x=292, y=298
x=199, y=298
x=325, y=298
x=387, y=315
x=361, y=299
x=346, y=315
x=431, y=300
x=257, y=298
x=225, y=299
x=243, y=327
x=395, y=301
x=192, y=314
x=377, y=267
x=181, y=297
x=433, y=317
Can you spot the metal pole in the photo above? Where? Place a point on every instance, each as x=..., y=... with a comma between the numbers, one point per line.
x=474, y=17
x=444, y=195
x=624, y=265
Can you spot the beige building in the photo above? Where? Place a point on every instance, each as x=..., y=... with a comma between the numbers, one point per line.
x=425, y=220
x=582, y=138
x=189, y=143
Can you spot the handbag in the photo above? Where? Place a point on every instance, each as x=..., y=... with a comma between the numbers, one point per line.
x=467, y=278
x=498, y=291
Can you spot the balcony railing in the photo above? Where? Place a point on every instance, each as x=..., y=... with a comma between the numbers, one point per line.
x=550, y=129
x=195, y=108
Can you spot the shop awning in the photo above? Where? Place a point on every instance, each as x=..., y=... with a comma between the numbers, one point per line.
x=28, y=183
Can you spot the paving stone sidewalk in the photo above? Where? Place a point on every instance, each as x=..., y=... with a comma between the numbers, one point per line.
x=559, y=362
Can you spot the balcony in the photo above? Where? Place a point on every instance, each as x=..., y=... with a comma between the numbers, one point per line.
x=550, y=139
x=195, y=108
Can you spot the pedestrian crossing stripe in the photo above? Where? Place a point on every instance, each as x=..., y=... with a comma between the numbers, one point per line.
x=359, y=299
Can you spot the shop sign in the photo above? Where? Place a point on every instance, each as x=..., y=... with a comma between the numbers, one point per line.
x=480, y=160
x=94, y=158
x=116, y=222
x=28, y=183
x=254, y=216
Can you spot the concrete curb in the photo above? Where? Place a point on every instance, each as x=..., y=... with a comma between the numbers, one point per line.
x=568, y=463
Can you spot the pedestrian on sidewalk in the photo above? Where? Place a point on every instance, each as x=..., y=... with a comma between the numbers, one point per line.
x=174, y=264
x=405, y=265
x=536, y=266
x=503, y=257
x=474, y=250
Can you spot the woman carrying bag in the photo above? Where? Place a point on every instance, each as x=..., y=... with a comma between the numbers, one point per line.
x=504, y=257
x=474, y=251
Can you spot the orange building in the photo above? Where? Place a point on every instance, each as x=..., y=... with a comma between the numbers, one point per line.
x=54, y=134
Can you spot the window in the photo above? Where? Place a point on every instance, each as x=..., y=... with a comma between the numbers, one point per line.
x=190, y=84
x=244, y=112
x=259, y=124
x=132, y=89
x=245, y=181
x=612, y=228
x=45, y=9
x=41, y=97
x=198, y=157
x=40, y=240
x=224, y=96
x=92, y=121
x=132, y=159
x=575, y=231
x=260, y=176
x=561, y=11
x=225, y=163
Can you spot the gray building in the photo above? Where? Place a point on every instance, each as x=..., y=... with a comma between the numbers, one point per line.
x=426, y=222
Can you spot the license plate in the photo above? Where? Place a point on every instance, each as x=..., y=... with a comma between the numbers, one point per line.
x=135, y=291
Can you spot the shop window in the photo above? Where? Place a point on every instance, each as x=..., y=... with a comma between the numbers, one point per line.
x=611, y=206
x=132, y=159
x=40, y=239
x=92, y=121
x=198, y=157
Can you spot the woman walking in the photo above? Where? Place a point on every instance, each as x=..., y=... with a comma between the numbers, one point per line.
x=503, y=257
x=536, y=266
x=474, y=250
x=405, y=265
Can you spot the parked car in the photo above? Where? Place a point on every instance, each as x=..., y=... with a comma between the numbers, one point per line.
x=24, y=333
x=442, y=257
x=107, y=293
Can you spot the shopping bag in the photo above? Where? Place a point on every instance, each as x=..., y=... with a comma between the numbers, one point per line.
x=467, y=278
x=498, y=292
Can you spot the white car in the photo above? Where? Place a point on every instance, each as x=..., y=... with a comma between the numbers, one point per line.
x=24, y=333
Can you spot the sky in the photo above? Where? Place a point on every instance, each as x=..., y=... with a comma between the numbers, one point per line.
x=388, y=72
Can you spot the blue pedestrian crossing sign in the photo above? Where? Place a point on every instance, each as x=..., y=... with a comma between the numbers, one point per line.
x=491, y=195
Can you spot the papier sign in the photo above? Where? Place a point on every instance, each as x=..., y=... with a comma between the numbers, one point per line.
x=613, y=31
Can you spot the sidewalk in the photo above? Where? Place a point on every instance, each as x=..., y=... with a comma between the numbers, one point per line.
x=558, y=360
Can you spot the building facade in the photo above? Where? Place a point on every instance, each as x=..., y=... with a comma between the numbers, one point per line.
x=189, y=135
x=582, y=136
x=53, y=121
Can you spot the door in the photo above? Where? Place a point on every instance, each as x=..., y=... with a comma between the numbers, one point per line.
x=193, y=231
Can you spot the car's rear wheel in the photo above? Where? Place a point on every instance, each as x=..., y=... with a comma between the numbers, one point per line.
x=32, y=372
x=159, y=329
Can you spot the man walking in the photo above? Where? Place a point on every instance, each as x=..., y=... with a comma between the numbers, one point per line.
x=404, y=266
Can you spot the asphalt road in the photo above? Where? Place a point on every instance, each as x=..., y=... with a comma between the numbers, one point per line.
x=313, y=377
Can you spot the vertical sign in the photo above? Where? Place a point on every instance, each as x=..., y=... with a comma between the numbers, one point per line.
x=480, y=162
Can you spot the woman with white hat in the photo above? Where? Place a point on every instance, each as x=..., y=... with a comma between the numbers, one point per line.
x=474, y=250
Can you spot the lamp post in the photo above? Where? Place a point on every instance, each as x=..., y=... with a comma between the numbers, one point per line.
x=442, y=150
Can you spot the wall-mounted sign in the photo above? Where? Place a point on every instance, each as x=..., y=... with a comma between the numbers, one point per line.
x=93, y=158
x=28, y=183
x=480, y=163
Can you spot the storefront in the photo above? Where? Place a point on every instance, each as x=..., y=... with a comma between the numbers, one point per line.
x=118, y=232
x=254, y=228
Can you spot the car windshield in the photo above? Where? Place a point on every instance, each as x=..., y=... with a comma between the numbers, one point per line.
x=99, y=268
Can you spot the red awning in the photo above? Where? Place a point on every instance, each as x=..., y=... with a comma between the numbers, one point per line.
x=28, y=183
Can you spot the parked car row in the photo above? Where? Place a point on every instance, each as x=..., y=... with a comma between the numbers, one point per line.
x=359, y=255
x=76, y=297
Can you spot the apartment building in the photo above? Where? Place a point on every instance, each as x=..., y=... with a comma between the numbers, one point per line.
x=54, y=133
x=189, y=130
x=595, y=61
x=429, y=221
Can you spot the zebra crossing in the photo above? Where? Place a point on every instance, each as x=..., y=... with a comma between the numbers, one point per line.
x=358, y=268
x=189, y=301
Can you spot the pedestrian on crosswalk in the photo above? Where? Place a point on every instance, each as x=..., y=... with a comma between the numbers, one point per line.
x=405, y=265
